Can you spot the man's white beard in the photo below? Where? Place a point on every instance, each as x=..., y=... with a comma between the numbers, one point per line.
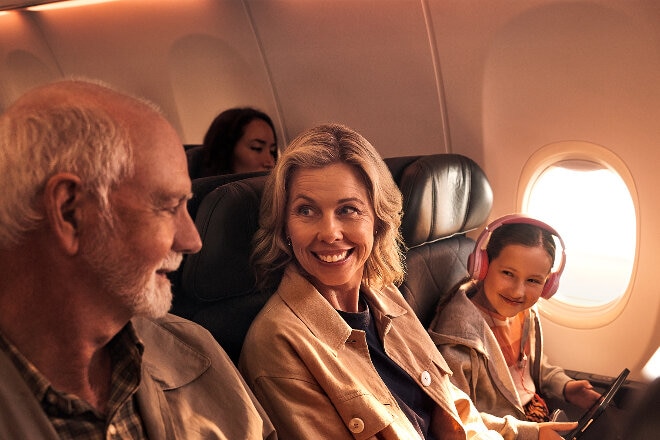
x=140, y=288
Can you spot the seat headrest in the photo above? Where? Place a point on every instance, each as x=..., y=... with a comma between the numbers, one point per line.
x=195, y=157
x=443, y=195
x=204, y=185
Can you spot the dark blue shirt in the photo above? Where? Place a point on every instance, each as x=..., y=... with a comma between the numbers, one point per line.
x=414, y=402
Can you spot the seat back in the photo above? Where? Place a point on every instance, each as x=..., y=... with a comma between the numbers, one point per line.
x=216, y=287
x=195, y=157
x=204, y=185
x=200, y=188
x=444, y=196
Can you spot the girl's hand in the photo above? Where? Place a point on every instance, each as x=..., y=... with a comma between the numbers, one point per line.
x=548, y=430
x=580, y=393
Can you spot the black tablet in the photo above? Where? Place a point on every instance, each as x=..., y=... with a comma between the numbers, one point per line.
x=597, y=408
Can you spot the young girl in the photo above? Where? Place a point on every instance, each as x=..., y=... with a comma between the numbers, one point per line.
x=489, y=332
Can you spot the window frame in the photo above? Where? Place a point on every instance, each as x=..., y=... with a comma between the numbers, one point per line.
x=557, y=311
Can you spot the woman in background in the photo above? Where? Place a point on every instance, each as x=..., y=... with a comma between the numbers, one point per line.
x=239, y=140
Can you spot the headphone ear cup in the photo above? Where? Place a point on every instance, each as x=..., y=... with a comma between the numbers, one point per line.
x=551, y=285
x=478, y=264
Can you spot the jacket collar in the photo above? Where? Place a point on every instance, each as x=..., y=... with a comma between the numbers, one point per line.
x=467, y=326
x=167, y=359
x=470, y=329
x=317, y=313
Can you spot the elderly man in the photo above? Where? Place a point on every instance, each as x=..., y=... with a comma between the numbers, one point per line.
x=92, y=218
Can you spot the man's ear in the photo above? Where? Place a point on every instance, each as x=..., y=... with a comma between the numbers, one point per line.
x=63, y=203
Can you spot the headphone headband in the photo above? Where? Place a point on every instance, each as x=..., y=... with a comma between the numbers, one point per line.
x=478, y=259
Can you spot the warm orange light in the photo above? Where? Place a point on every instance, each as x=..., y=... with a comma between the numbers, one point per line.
x=652, y=368
x=66, y=4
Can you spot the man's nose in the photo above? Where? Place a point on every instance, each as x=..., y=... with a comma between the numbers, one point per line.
x=187, y=239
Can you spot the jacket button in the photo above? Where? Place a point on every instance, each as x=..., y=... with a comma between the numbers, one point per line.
x=426, y=378
x=356, y=425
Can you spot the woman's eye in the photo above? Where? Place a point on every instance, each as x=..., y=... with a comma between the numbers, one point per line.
x=304, y=210
x=347, y=210
x=257, y=148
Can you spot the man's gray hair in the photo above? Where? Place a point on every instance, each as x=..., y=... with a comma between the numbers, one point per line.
x=37, y=143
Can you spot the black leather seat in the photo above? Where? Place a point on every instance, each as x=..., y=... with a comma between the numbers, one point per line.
x=215, y=287
x=204, y=185
x=445, y=195
x=200, y=189
x=642, y=421
x=195, y=157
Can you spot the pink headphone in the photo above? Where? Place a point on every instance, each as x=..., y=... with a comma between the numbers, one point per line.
x=478, y=259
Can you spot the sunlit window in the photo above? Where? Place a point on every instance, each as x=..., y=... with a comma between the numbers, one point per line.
x=591, y=207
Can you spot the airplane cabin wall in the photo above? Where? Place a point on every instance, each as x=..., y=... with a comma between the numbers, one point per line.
x=494, y=81
x=367, y=64
x=540, y=72
x=26, y=58
x=193, y=58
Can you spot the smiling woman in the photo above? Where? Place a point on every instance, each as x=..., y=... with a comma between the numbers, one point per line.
x=331, y=230
x=337, y=352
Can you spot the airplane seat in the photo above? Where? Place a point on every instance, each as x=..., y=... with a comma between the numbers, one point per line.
x=444, y=195
x=200, y=189
x=204, y=185
x=195, y=156
x=642, y=422
x=216, y=288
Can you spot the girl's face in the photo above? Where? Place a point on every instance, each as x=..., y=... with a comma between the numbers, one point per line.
x=515, y=279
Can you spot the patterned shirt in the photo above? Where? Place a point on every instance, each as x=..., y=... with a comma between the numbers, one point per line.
x=74, y=418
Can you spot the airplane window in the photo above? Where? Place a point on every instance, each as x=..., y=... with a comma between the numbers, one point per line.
x=584, y=197
x=591, y=207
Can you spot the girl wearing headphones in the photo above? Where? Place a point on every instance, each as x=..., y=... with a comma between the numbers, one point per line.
x=489, y=331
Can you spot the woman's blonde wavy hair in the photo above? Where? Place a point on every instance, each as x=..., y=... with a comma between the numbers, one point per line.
x=317, y=148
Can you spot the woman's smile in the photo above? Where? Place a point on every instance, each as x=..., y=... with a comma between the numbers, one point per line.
x=333, y=257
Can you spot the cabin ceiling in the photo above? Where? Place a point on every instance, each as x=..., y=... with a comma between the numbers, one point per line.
x=496, y=75
x=15, y=4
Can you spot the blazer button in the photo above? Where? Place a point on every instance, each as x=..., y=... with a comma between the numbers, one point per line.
x=426, y=378
x=356, y=425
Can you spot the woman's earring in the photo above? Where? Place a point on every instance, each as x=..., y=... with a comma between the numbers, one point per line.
x=288, y=241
